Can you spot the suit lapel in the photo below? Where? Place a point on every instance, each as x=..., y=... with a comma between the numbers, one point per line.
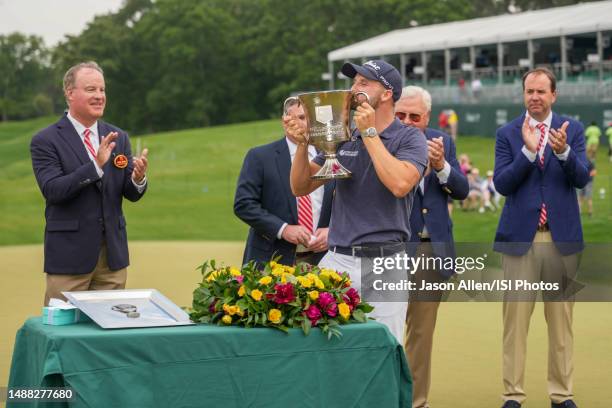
x=283, y=164
x=72, y=138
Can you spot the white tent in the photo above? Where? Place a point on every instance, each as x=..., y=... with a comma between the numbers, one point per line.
x=554, y=22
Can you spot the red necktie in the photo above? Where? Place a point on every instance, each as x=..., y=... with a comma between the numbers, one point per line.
x=305, y=212
x=542, y=128
x=88, y=145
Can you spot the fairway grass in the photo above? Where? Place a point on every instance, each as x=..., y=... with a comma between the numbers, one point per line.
x=467, y=348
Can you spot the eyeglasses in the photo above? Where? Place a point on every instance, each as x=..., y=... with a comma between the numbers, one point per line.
x=414, y=117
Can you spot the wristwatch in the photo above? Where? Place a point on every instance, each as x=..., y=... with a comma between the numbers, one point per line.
x=370, y=132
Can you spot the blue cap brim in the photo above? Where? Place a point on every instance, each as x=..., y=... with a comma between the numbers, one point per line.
x=351, y=70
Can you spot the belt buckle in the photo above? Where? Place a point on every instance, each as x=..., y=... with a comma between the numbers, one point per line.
x=355, y=248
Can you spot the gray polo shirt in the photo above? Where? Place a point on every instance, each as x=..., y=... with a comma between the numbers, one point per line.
x=364, y=210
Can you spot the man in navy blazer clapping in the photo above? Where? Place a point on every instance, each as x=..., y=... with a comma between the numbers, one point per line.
x=539, y=162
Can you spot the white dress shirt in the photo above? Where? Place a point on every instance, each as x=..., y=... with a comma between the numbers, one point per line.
x=94, y=138
x=316, y=197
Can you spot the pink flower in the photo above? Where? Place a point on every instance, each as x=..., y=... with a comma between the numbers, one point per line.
x=332, y=310
x=328, y=304
x=352, y=298
x=239, y=279
x=313, y=314
x=325, y=299
x=284, y=293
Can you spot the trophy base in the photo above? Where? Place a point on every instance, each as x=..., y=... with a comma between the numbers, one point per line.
x=331, y=170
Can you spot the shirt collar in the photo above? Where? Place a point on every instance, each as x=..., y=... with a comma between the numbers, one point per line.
x=80, y=128
x=312, y=152
x=547, y=121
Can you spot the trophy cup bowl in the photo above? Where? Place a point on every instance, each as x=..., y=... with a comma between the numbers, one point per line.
x=327, y=120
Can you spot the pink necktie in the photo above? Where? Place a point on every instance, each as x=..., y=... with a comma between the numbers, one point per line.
x=542, y=128
x=88, y=145
x=305, y=212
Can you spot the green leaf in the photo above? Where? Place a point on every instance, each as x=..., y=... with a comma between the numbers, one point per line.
x=359, y=315
x=367, y=308
x=306, y=325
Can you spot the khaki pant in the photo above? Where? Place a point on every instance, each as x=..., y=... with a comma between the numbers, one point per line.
x=101, y=278
x=542, y=261
x=420, y=325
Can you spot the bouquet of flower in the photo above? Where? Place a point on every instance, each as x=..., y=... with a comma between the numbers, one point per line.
x=277, y=296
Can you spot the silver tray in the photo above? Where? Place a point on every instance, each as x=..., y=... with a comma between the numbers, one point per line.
x=154, y=309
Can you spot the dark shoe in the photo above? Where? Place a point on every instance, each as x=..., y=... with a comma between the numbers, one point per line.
x=511, y=404
x=564, y=404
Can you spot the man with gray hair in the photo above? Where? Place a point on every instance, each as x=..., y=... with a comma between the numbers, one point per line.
x=431, y=234
x=84, y=167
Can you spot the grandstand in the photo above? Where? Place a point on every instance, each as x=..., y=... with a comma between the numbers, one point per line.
x=478, y=62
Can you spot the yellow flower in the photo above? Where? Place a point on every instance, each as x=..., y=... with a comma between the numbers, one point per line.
x=319, y=283
x=235, y=271
x=239, y=311
x=326, y=273
x=241, y=291
x=275, y=315
x=284, y=277
x=344, y=310
x=265, y=280
x=212, y=276
x=256, y=294
x=289, y=269
x=227, y=319
x=278, y=270
x=305, y=282
x=314, y=295
x=273, y=264
x=226, y=308
x=335, y=276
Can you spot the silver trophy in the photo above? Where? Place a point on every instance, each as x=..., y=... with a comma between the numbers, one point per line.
x=327, y=121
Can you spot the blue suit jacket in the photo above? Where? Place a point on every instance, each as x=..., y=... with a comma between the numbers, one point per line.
x=526, y=185
x=81, y=208
x=265, y=202
x=435, y=201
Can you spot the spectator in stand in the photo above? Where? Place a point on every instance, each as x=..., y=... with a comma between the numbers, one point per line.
x=592, y=133
x=476, y=88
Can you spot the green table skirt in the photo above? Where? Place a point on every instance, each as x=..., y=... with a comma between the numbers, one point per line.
x=212, y=366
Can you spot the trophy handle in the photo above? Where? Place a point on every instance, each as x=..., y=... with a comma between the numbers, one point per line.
x=285, y=108
x=355, y=102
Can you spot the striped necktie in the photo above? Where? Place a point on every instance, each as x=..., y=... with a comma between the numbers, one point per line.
x=88, y=144
x=542, y=128
x=305, y=212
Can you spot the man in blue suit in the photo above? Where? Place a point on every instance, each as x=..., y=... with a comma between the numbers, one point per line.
x=432, y=233
x=84, y=168
x=539, y=162
x=281, y=224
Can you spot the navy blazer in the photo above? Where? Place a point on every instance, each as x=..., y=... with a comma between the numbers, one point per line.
x=81, y=208
x=526, y=185
x=431, y=209
x=265, y=202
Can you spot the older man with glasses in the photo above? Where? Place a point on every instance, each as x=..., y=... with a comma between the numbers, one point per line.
x=431, y=233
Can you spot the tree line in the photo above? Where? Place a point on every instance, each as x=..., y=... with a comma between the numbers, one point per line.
x=172, y=64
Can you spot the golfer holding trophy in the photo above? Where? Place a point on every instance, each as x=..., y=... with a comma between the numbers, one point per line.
x=376, y=167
